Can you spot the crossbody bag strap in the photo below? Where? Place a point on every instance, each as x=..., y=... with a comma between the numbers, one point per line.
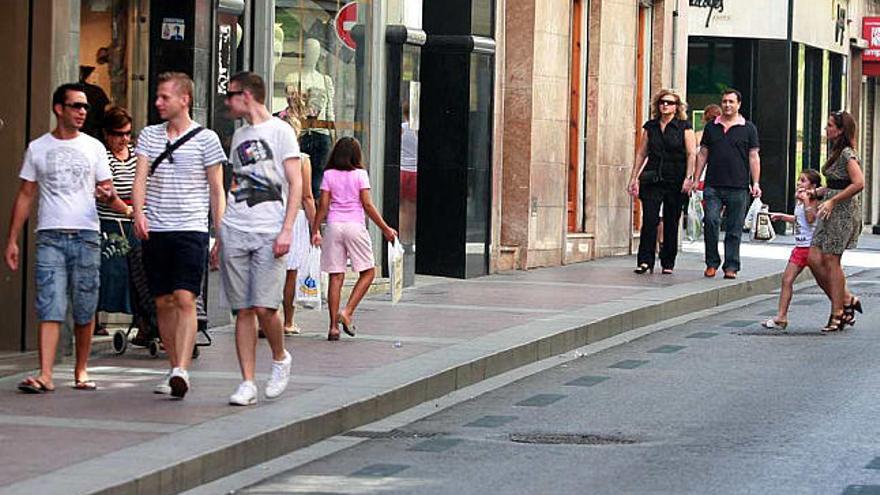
x=177, y=144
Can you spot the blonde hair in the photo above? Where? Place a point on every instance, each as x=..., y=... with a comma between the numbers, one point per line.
x=296, y=108
x=680, y=110
x=182, y=82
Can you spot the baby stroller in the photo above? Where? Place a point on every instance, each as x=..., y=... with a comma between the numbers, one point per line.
x=144, y=312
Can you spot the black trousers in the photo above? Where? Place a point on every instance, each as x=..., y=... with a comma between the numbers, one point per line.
x=317, y=146
x=672, y=200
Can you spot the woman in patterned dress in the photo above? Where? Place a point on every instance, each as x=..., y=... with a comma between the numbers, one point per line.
x=839, y=220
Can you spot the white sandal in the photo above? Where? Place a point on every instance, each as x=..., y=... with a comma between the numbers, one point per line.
x=772, y=323
x=292, y=330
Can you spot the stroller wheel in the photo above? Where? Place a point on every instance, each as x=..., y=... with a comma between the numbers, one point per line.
x=120, y=342
x=196, y=352
x=154, y=348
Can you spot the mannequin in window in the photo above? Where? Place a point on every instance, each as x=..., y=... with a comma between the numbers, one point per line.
x=317, y=89
x=278, y=100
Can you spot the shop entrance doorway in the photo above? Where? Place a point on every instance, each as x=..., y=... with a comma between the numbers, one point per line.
x=113, y=48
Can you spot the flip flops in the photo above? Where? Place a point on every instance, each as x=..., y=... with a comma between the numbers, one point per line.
x=347, y=326
x=31, y=385
x=85, y=385
x=773, y=323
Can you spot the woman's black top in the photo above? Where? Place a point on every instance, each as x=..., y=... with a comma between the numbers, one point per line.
x=667, y=155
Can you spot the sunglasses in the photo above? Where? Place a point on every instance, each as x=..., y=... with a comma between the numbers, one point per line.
x=78, y=106
x=232, y=94
x=668, y=102
x=119, y=133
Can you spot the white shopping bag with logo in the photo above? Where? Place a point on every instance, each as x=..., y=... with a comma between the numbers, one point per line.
x=694, y=228
x=395, y=268
x=308, y=280
x=754, y=209
x=763, y=229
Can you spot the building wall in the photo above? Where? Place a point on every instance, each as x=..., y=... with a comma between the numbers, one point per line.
x=535, y=98
x=54, y=59
x=550, y=114
x=612, y=116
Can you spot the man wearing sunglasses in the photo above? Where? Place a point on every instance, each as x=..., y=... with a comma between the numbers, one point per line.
x=183, y=182
x=729, y=149
x=257, y=230
x=65, y=166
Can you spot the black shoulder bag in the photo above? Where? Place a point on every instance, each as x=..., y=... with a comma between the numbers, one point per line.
x=170, y=148
x=655, y=175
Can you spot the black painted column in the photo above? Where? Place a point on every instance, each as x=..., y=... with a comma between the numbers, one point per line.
x=455, y=149
x=769, y=114
x=191, y=55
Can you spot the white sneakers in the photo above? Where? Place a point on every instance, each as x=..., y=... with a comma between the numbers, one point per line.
x=279, y=377
x=179, y=383
x=163, y=387
x=246, y=393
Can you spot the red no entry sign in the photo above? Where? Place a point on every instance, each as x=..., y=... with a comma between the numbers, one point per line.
x=346, y=18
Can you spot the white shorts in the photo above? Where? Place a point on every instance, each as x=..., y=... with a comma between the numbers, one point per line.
x=299, y=245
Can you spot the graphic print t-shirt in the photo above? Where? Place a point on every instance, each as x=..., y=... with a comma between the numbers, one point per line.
x=803, y=230
x=66, y=171
x=258, y=197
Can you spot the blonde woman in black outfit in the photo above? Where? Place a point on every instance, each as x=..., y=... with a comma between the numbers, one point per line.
x=662, y=175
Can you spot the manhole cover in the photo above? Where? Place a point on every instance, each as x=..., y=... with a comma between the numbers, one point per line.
x=392, y=434
x=570, y=439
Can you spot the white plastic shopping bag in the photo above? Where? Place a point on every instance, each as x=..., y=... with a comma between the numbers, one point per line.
x=754, y=209
x=395, y=267
x=308, y=280
x=763, y=229
x=694, y=228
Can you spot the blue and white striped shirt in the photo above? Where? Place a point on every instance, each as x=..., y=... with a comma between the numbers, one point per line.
x=178, y=197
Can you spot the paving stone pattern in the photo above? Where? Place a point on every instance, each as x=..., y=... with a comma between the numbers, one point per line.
x=469, y=319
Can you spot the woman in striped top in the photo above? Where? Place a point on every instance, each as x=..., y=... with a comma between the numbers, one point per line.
x=116, y=228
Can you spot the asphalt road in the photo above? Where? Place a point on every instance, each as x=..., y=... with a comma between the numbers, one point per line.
x=714, y=405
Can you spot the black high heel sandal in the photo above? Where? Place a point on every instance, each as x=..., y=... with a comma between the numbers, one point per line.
x=642, y=268
x=849, y=311
x=835, y=323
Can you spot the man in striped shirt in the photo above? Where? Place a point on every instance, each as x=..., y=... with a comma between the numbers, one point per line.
x=177, y=191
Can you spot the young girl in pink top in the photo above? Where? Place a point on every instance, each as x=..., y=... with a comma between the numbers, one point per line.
x=345, y=197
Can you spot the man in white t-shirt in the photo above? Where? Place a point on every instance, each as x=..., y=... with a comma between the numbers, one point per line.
x=257, y=230
x=65, y=166
x=178, y=187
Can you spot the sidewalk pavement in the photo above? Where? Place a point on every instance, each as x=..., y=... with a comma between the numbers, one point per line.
x=444, y=335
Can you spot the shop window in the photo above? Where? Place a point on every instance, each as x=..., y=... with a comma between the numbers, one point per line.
x=321, y=73
x=104, y=57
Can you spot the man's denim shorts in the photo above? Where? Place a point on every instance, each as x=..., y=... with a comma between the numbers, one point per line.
x=68, y=262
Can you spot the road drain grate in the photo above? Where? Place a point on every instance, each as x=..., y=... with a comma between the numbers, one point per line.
x=392, y=434
x=570, y=439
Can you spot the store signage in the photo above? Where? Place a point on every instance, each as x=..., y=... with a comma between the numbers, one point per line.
x=840, y=25
x=710, y=5
x=224, y=57
x=871, y=32
x=346, y=19
x=173, y=29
